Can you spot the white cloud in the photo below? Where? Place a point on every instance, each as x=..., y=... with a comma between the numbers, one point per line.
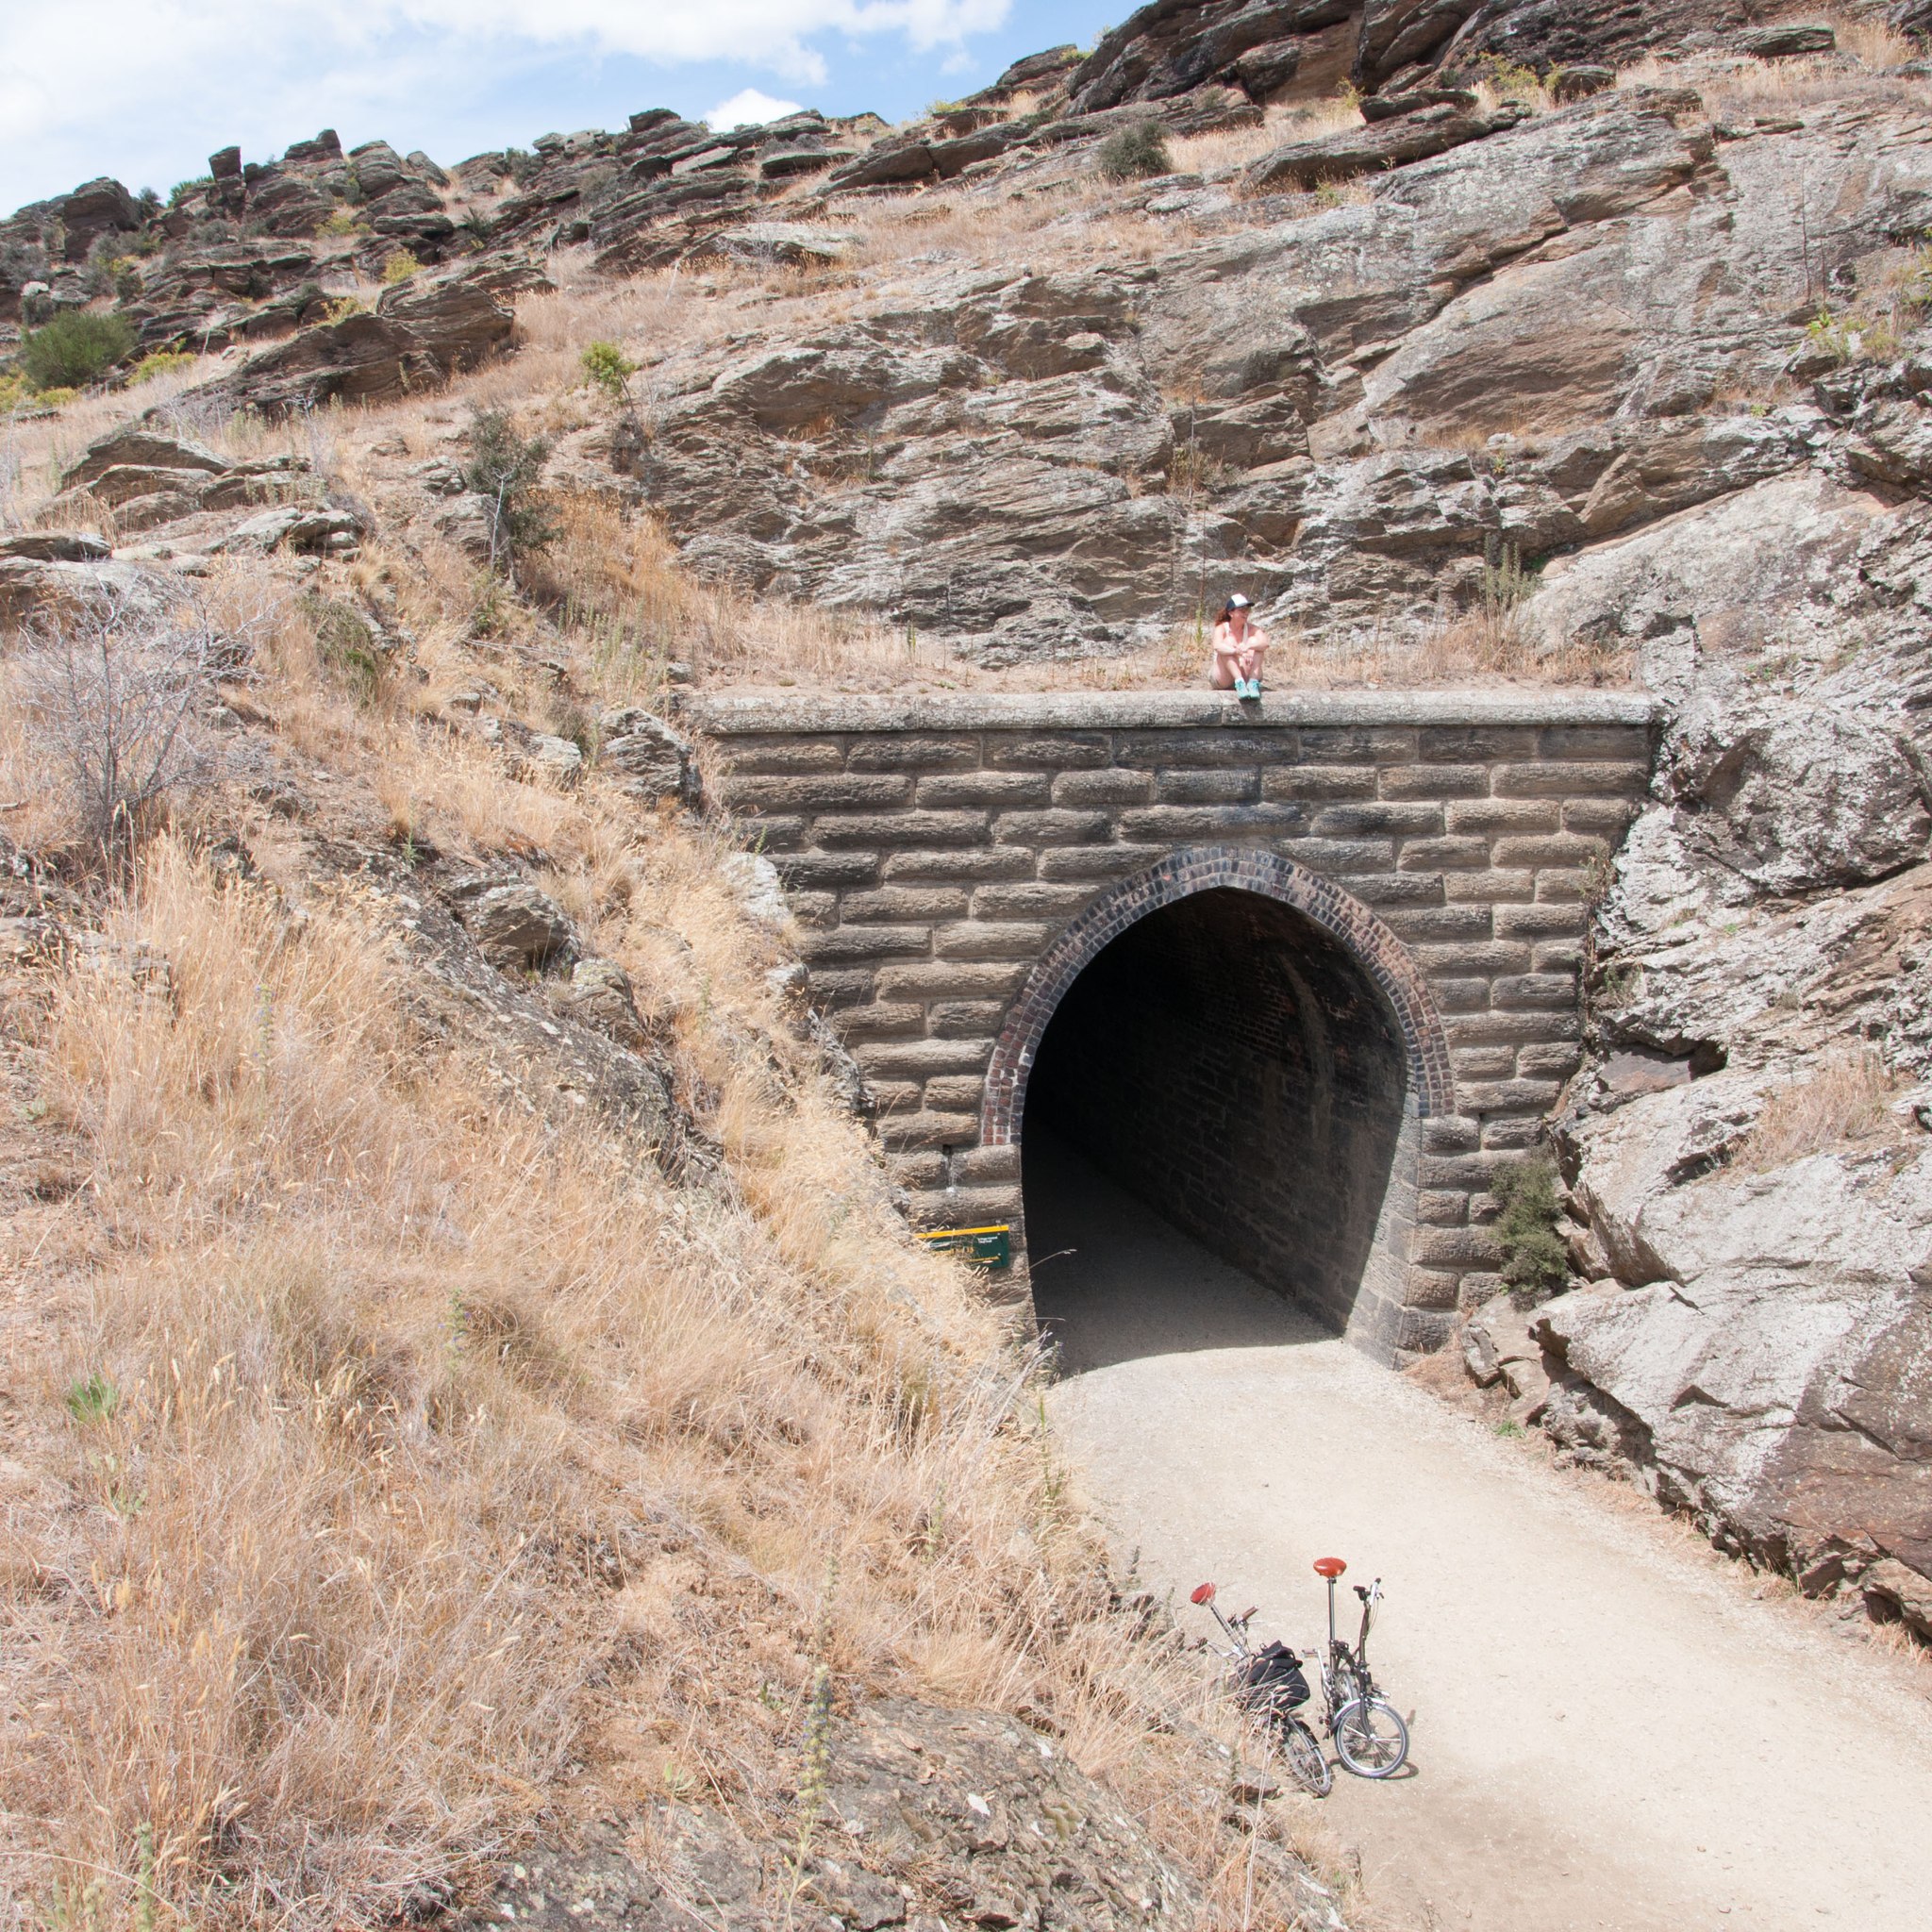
x=264, y=75
x=749, y=108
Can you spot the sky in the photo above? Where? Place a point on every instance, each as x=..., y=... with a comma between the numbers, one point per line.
x=164, y=83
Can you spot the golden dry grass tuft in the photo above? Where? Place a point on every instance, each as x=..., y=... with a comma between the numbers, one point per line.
x=1847, y=1100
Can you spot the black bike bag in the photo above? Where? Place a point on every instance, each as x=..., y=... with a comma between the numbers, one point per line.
x=1275, y=1678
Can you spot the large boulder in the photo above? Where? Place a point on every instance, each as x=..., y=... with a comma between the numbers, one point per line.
x=1792, y=795
x=1373, y=146
x=311, y=527
x=464, y=315
x=600, y=995
x=1397, y=35
x=1546, y=34
x=519, y=930
x=1769, y=1331
x=1173, y=46
x=96, y=209
x=141, y=449
x=34, y=590
x=649, y=760
x=421, y=333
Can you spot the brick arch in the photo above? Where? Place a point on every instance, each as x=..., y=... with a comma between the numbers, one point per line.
x=1182, y=873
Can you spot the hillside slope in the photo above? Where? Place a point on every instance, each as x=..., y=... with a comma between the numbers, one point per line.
x=467, y=1384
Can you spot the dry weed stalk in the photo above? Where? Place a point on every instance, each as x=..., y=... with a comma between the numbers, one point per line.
x=1847, y=1099
x=119, y=690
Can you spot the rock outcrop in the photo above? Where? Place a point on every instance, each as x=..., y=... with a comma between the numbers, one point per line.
x=1747, y=1157
x=929, y=1818
x=420, y=333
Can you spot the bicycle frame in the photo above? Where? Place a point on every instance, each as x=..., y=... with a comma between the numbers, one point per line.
x=1370, y=1594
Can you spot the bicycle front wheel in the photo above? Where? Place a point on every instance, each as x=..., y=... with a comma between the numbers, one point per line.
x=1370, y=1737
x=1308, y=1763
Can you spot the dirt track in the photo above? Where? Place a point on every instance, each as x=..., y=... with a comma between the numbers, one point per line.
x=1610, y=1729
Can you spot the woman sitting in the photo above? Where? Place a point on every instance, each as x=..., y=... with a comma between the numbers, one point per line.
x=1238, y=647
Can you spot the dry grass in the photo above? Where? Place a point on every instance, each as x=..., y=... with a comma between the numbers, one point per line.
x=1847, y=1100
x=627, y=595
x=395, y=1365
x=1738, y=88
x=1871, y=39
x=400, y=1462
x=1232, y=148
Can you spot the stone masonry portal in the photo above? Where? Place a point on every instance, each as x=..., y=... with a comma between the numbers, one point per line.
x=1419, y=866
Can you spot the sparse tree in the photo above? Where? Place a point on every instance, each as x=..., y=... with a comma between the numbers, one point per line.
x=504, y=469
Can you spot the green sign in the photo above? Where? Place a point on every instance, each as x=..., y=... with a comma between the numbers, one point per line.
x=988, y=1247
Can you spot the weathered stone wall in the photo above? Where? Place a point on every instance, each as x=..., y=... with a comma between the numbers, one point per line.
x=953, y=862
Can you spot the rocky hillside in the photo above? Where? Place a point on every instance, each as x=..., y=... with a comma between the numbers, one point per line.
x=445, y=1273
x=1347, y=355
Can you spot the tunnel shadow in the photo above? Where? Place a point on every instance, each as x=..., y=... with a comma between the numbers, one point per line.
x=1211, y=1121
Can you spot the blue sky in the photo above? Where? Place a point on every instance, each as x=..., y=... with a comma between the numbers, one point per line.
x=165, y=82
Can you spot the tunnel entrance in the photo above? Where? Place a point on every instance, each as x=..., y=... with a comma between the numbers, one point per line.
x=1227, y=1063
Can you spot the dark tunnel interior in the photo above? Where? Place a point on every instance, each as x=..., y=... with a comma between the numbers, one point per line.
x=1229, y=1064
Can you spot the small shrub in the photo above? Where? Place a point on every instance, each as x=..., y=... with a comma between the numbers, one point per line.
x=1851, y=338
x=13, y=394
x=341, y=224
x=1135, y=154
x=94, y=1401
x=1510, y=81
x=75, y=348
x=121, y=692
x=504, y=470
x=608, y=368
x=182, y=190
x=1535, y=1261
x=161, y=362
x=399, y=267
x=343, y=307
x=346, y=646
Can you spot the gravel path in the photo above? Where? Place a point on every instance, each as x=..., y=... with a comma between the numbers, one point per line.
x=1610, y=1729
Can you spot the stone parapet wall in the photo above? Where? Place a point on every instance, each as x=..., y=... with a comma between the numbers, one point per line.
x=937, y=849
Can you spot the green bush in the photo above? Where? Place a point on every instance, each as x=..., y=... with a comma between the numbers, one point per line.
x=161, y=362
x=607, y=365
x=504, y=469
x=75, y=348
x=346, y=646
x=1535, y=1261
x=1135, y=154
x=399, y=267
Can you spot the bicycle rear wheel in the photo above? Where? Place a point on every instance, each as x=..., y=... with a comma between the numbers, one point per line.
x=1370, y=1737
x=1301, y=1751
